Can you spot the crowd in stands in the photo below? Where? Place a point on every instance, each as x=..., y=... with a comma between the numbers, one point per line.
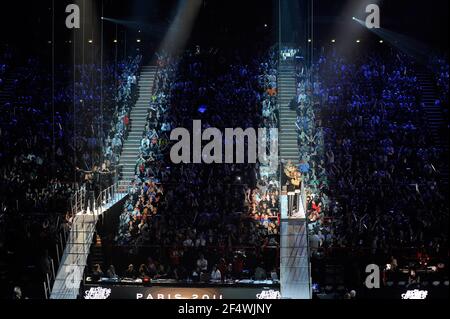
x=33, y=184
x=120, y=119
x=368, y=162
x=440, y=67
x=45, y=139
x=262, y=200
x=223, y=214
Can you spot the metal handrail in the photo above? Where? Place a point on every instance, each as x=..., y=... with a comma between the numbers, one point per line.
x=107, y=195
x=78, y=201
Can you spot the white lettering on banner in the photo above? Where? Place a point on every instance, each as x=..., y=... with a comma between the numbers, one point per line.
x=415, y=294
x=97, y=293
x=177, y=296
x=269, y=294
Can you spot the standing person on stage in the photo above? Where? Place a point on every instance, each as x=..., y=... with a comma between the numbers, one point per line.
x=90, y=184
x=105, y=176
x=93, y=181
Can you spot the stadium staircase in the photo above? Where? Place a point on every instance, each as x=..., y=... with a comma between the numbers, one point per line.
x=437, y=123
x=295, y=272
x=288, y=137
x=96, y=253
x=138, y=119
x=67, y=280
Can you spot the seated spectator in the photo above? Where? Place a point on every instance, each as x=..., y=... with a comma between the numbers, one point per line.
x=97, y=273
x=202, y=263
x=143, y=271
x=111, y=273
x=130, y=272
x=216, y=274
x=260, y=273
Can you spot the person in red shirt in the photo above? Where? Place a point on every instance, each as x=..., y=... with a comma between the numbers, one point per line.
x=316, y=207
x=126, y=123
x=315, y=211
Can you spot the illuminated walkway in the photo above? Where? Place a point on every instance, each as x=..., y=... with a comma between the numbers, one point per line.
x=295, y=274
x=74, y=260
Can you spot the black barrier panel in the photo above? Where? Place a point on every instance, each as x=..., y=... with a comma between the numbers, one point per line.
x=162, y=292
x=104, y=291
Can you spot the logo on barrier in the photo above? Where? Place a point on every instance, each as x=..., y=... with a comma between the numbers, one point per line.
x=269, y=294
x=97, y=293
x=415, y=294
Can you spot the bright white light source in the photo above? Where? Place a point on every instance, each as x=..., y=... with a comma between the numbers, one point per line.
x=333, y=41
x=358, y=41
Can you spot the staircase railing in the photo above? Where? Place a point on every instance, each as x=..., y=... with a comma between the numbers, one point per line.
x=109, y=195
x=78, y=200
x=83, y=225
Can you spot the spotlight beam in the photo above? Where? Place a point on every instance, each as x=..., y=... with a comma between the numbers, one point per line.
x=145, y=27
x=181, y=28
x=407, y=45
